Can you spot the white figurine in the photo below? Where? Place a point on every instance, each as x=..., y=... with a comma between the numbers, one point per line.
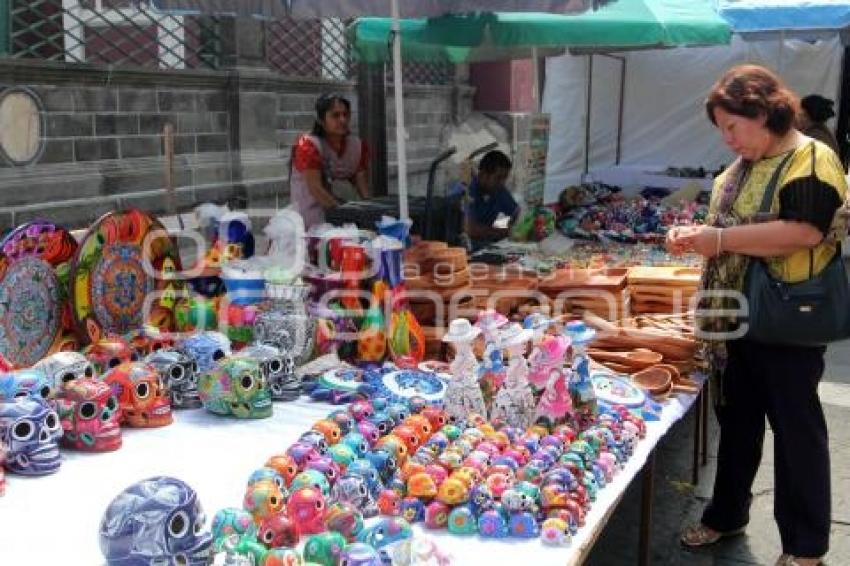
x=514, y=403
x=463, y=395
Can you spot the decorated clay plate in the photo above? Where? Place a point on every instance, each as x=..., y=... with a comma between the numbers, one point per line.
x=342, y=379
x=616, y=390
x=442, y=369
x=123, y=260
x=34, y=307
x=404, y=384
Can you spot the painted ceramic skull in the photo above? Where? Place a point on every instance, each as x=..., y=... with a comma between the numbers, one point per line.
x=63, y=367
x=206, y=349
x=109, y=352
x=236, y=386
x=30, y=382
x=278, y=369
x=31, y=430
x=89, y=414
x=3, y=452
x=155, y=521
x=353, y=489
x=141, y=395
x=179, y=374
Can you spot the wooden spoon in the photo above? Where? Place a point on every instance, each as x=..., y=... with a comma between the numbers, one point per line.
x=639, y=357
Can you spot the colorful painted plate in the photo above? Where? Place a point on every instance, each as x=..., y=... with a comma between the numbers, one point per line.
x=123, y=260
x=34, y=307
x=616, y=390
x=405, y=384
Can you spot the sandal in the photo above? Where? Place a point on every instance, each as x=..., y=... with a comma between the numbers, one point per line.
x=700, y=535
x=789, y=560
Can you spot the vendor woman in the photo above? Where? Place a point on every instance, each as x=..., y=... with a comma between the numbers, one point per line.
x=489, y=199
x=329, y=153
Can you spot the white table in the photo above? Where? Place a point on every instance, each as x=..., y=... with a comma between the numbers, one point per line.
x=54, y=519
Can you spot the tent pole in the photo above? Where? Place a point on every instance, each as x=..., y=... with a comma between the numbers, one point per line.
x=400, y=130
x=535, y=60
x=587, y=114
x=620, y=112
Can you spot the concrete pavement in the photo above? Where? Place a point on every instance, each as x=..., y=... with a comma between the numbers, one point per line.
x=678, y=502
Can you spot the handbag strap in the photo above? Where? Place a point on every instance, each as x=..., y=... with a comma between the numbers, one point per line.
x=767, y=200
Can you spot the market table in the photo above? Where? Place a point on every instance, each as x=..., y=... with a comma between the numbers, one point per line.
x=54, y=519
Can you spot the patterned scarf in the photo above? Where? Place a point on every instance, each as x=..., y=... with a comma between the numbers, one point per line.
x=723, y=273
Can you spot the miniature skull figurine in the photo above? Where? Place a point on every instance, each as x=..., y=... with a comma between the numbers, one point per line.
x=63, y=367
x=107, y=353
x=180, y=376
x=236, y=386
x=141, y=395
x=30, y=382
x=155, y=521
x=89, y=414
x=206, y=348
x=31, y=429
x=278, y=369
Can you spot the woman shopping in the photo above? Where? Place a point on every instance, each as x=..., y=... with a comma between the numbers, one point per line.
x=755, y=114
x=330, y=152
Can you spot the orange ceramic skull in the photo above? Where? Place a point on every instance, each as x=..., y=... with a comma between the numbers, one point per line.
x=141, y=396
x=107, y=353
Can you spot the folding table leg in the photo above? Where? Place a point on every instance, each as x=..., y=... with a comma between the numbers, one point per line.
x=646, y=510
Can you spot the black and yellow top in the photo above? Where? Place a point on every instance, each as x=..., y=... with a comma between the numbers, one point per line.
x=812, y=188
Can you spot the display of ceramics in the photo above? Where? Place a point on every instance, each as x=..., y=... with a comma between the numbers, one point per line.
x=341, y=385
x=34, y=309
x=616, y=390
x=403, y=384
x=283, y=322
x=124, y=258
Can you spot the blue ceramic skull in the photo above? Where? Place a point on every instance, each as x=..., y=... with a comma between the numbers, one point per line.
x=206, y=348
x=30, y=382
x=31, y=430
x=158, y=520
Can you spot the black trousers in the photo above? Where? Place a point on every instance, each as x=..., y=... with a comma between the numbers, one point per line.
x=780, y=383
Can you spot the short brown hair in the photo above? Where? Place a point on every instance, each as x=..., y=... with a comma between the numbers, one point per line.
x=752, y=91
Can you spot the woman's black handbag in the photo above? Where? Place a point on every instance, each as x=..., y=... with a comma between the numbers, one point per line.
x=813, y=312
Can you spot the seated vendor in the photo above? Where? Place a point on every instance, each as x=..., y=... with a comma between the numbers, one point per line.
x=488, y=198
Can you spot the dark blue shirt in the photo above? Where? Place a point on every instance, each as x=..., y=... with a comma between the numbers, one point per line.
x=485, y=208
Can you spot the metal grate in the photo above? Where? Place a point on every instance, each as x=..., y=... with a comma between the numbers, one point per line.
x=111, y=32
x=319, y=49
x=309, y=48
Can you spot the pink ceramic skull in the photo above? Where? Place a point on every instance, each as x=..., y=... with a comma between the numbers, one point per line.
x=89, y=414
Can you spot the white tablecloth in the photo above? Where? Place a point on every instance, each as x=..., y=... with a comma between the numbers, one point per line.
x=54, y=519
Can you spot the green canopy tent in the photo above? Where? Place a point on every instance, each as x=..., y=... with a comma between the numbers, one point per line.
x=620, y=26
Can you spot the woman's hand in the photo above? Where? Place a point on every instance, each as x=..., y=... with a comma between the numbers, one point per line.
x=676, y=242
x=703, y=240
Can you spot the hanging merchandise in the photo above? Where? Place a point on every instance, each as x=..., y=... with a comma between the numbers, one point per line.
x=35, y=307
x=491, y=372
x=111, y=279
x=514, y=403
x=463, y=394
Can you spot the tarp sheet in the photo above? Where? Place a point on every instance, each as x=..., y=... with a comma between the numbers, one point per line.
x=664, y=122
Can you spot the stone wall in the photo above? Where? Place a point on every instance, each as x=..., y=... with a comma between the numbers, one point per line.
x=103, y=149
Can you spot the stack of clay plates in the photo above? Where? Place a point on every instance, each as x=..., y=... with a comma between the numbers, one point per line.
x=503, y=288
x=437, y=278
x=600, y=291
x=662, y=289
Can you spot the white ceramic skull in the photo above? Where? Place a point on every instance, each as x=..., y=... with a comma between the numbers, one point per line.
x=179, y=373
x=63, y=367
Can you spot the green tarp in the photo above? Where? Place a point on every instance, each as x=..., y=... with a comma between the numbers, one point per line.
x=621, y=25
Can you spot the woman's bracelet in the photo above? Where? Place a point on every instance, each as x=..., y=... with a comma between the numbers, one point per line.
x=719, y=242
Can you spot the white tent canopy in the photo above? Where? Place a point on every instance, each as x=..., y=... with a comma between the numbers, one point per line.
x=664, y=122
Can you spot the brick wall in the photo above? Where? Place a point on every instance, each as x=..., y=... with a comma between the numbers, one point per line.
x=234, y=130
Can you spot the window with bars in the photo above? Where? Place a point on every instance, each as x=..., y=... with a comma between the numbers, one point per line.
x=132, y=33
x=110, y=32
